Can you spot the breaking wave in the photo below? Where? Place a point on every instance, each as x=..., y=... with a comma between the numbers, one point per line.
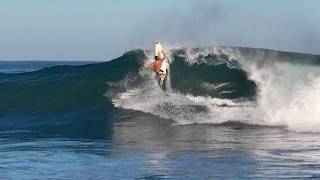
x=205, y=85
x=219, y=84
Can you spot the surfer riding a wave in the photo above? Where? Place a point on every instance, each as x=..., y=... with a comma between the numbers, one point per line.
x=159, y=58
x=160, y=64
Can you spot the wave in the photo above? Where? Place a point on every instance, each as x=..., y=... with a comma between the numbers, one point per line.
x=205, y=85
x=219, y=84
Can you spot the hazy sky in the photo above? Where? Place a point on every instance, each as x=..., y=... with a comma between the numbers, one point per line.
x=104, y=29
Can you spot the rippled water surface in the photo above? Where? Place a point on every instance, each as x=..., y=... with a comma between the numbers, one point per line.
x=151, y=148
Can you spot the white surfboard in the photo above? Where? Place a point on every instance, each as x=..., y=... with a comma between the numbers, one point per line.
x=159, y=51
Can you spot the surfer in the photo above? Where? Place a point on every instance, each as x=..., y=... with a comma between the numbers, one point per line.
x=158, y=60
x=160, y=64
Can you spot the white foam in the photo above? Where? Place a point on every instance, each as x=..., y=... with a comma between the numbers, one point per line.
x=289, y=96
x=184, y=109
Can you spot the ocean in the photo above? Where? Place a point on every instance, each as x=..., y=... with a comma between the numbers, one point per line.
x=226, y=113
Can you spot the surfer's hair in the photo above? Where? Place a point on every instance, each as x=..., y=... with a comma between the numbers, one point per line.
x=156, y=57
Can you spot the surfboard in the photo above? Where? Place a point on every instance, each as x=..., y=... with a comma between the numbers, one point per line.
x=159, y=51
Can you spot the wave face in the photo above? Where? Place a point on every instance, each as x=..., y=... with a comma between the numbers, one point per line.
x=211, y=75
x=63, y=99
x=205, y=85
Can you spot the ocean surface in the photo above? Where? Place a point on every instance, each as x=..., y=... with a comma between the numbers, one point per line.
x=226, y=113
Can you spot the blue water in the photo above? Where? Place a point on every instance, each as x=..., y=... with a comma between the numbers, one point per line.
x=149, y=149
x=91, y=139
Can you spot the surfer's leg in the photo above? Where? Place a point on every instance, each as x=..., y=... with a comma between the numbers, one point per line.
x=161, y=83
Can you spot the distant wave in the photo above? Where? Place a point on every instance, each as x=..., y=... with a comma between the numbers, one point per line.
x=29, y=66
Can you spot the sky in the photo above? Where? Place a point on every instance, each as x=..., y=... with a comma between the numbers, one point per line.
x=105, y=29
